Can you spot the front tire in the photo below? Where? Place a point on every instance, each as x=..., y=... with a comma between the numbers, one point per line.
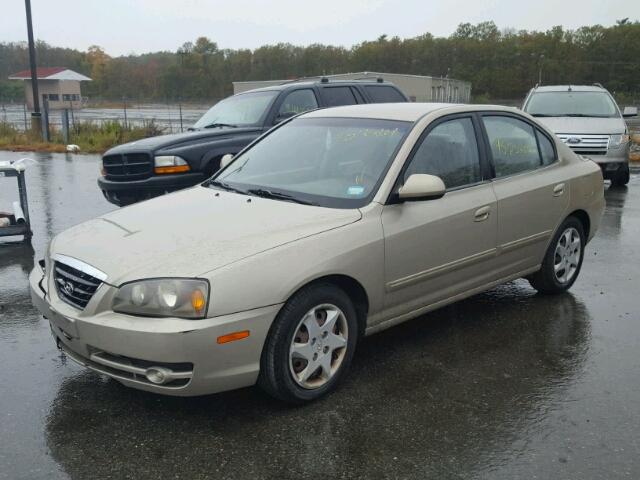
x=621, y=178
x=310, y=345
x=562, y=262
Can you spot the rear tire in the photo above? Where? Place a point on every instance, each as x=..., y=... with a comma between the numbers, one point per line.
x=562, y=262
x=310, y=344
x=621, y=178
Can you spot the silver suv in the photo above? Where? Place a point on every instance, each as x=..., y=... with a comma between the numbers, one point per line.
x=589, y=121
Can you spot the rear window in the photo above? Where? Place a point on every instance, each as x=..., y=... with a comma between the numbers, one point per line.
x=335, y=96
x=384, y=94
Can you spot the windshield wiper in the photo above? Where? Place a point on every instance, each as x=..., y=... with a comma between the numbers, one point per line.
x=585, y=115
x=220, y=125
x=542, y=115
x=261, y=192
x=225, y=186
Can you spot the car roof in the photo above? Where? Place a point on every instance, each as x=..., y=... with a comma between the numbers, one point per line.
x=408, y=111
x=309, y=83
x=570, y=88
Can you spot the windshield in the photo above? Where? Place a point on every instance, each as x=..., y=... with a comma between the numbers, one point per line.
x=571, y=104
x=239, y=110
x=332, y=162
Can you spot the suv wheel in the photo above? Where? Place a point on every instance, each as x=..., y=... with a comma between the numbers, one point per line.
x=621, y=177
x=563, y=260
x=310, y=344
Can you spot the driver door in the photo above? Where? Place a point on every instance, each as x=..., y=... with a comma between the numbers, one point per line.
x=436, y=249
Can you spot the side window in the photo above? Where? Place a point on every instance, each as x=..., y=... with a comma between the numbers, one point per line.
x=335, y=96
x=513, y=145
x=358, y=95
x=384, y=94
x=449, y=151
x=546, y=149
x=298, y=101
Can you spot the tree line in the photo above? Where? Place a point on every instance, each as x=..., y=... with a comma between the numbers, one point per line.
x=500, y=64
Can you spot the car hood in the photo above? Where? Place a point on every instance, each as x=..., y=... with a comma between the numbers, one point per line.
x=177, y=139
x=191, y=232
x=584, y=125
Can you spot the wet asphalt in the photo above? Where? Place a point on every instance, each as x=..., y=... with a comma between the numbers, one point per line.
x=505, y=385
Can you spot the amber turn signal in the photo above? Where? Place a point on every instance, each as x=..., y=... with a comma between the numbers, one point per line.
x=172, y=169
x=232, y=337
x=198, y=301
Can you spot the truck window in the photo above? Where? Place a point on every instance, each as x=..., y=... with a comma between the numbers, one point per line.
x=384, y=94
x=298, y=101
x=334, y=96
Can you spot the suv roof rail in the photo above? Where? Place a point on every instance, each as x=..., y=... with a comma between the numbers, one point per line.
x=324, y=80
x=598, y=84
x=380, y=80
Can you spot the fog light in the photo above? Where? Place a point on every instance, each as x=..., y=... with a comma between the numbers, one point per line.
x=157, y=375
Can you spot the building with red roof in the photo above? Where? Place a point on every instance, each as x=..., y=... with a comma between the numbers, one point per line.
x=59, y=86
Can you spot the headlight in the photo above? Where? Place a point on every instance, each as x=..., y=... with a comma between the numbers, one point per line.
x=166, y=297
x=617, y=140
x=170, y=164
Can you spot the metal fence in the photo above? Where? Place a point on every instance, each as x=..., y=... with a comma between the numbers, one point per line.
x=170, y=117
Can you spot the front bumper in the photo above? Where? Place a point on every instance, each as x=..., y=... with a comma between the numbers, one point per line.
x=124, y=347
x=123, y=193
x=610, y=163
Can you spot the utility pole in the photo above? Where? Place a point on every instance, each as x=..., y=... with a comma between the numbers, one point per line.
x=540, y=60
x=36, y=124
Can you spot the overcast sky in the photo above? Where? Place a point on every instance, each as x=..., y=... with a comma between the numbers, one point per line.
x=126, y=26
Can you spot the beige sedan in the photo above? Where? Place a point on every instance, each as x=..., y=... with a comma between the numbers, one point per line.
x=336, y=224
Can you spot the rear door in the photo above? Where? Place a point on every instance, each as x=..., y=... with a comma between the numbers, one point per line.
x=435, y=249
x=530, y=187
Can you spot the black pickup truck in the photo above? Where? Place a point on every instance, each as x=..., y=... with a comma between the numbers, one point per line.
x=146, y=168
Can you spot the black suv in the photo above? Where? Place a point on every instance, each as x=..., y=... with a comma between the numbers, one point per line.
x=146, y=168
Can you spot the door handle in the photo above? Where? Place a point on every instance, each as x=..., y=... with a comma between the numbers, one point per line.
x=482, y=214
x=558, y=190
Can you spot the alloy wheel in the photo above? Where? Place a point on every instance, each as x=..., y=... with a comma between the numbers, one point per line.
x=567, y=255
x=318, y=346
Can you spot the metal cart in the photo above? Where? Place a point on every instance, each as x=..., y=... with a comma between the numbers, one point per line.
x=19, y=221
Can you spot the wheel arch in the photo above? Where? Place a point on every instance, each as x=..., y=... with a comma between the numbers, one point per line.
x=584, y=219
x=353, y=288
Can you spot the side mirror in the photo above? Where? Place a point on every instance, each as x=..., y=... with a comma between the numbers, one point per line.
x=283, y=116
x=420, y=186
x=630, y=112
x=226, y=160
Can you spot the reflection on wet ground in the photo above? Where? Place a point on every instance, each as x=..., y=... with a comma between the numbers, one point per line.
x=507, y=384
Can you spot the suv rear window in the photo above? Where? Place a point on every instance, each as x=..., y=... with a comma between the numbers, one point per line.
x=335, y=96
x=384, y=94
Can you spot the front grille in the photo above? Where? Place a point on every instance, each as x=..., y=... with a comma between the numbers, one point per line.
x=73, y=286
x=586, y=144
x=128, y=166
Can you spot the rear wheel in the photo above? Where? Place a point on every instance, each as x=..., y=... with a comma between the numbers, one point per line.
x=310, y=345
x=563, y=260
x=622, y=176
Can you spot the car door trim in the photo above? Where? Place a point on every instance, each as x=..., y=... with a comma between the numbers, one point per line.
x=525, y=241
x=440, y=270
x=390, y=322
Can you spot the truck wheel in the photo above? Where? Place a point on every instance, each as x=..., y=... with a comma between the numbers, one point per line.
x=621, y=177
x=563, y=260
x=310, y=344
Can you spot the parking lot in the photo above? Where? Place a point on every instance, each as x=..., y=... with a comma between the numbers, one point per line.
x=504, y=385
